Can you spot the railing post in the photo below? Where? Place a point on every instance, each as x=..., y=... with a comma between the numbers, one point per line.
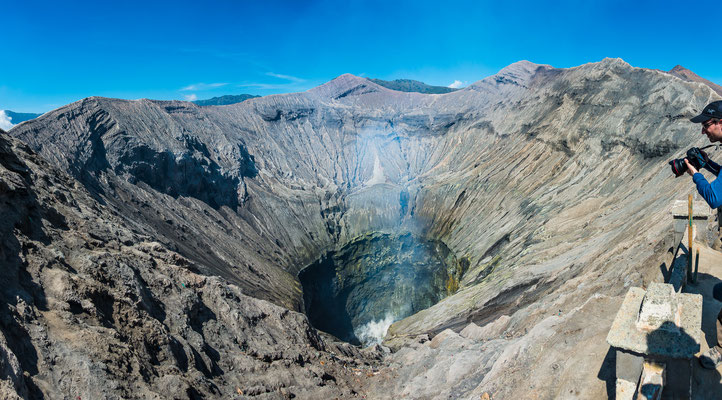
x=690, y=219
x=689, y=236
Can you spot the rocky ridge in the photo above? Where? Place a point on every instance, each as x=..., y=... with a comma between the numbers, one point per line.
x=224, y=100
x=410, y=85
x=683, y=73
x=93, y=310
x=551, y=184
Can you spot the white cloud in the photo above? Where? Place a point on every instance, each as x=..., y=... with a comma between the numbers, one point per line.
x=286, y=77
x=5, y=123
x=190, y=97
x=268, y=86
x=202, y=86
x=457, y=84
x=291, y=83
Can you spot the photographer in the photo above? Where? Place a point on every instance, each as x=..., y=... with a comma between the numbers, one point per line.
x=710, y=118
x=711, y=126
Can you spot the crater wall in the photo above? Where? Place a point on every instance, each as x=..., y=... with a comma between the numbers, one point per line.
x=551, y=185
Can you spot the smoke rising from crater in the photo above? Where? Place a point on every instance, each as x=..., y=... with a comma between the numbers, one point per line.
x=374, y=332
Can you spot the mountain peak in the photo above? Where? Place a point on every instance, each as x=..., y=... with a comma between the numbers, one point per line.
x=520, y=70
x=516, y=74
x=346, y=85
x=679, y=68
x=521, y=65
x=348, y=79
x=689, y=76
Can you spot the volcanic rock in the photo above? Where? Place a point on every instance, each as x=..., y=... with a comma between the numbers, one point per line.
x=94, y=310
x=549, y=186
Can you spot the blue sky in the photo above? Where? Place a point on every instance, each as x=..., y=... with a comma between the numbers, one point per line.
x=59, y=52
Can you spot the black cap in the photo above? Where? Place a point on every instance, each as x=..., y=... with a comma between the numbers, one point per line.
x=713, y=110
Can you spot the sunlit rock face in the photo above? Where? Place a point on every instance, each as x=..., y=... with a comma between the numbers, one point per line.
x=552, y=184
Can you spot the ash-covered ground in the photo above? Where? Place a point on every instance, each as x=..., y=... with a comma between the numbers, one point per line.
x=152, y=249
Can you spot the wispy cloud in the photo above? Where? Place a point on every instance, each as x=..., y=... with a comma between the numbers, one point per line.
x=190, y=97
x=286, y=77
x=203, y=86
x=292, y=83
x=269, y=86
x=288, y=83
x=5, y=123
x=457, y=84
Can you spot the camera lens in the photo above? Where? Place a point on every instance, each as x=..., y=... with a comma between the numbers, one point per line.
x=678, y=166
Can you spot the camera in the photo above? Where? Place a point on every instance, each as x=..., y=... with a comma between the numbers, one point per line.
x=695, y=156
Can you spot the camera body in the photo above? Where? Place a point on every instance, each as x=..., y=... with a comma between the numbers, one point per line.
x=695, y=156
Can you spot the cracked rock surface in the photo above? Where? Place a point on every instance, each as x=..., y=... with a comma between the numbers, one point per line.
x=92, y=310
x=152, y=248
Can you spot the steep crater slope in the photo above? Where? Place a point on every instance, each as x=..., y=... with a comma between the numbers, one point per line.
x=546, y=184
x=92, y=310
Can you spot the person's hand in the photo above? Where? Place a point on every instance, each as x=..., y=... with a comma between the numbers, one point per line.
x=691, y=170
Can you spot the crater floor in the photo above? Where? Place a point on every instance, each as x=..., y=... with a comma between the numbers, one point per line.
x=357, y=292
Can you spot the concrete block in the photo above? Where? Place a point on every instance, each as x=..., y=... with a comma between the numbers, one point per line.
x=700, y=209
x=679, y=210
x=625, y=390
x=659, y=306
x=680, y=340
x=629, y=365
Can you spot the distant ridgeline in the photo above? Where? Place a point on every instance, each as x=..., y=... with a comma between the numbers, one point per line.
x=225, y=100
x=16, y=118
x=408, y=85
x=402, y=85
x=689, y=76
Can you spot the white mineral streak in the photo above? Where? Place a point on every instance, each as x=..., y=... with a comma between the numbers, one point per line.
x=378, y=175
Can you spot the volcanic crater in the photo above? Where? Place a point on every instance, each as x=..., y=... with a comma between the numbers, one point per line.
x=486, y=237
